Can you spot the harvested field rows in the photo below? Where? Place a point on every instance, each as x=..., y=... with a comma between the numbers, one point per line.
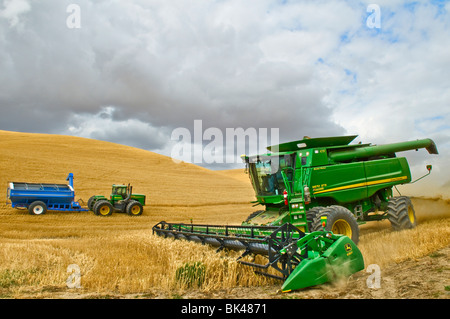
x=118, y=256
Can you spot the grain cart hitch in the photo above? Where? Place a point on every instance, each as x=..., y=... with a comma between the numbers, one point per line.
x=302, y=259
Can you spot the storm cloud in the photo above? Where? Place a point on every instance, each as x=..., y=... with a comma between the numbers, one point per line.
x=160, y=63
x=133, y=71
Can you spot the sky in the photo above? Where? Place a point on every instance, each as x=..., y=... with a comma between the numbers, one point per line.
x=136, y=72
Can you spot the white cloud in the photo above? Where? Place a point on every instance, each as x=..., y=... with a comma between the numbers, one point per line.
x=400, y=75
x=103, y=126
x=13, y=9
x=309, y=68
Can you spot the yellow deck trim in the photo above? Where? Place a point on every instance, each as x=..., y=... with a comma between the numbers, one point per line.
x=380, y=181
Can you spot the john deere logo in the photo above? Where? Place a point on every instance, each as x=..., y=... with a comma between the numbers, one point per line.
x=348, y=247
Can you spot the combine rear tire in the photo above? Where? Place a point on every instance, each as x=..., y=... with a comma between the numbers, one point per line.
x=339, y=220
x=103, y=208
x=134, y=208
x=37, y=208
x=401, y=213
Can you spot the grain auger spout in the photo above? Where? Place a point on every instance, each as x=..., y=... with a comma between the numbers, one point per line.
x=302, y=259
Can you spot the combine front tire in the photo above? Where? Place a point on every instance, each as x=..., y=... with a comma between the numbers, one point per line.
x=338, y=220
x=37, y=208
x=103, y=208
x=134, y=208
x=311, y=215
x=401, y=213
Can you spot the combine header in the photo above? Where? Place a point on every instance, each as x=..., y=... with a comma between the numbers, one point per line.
x=303, y=260
x=315, y=193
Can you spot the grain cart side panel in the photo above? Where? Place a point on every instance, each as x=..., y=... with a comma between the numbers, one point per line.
x=58, y=197
x=23, y=194
x=343, y=182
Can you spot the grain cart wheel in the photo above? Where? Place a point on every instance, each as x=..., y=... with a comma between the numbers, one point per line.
x=339, y=220
x=37, y=208
x=134, y=208
x=103, y=208
x=401, y=213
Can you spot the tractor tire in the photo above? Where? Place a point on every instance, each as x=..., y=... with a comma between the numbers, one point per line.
x=339, y=221
x=134, y=208
x=91, y=203
x=37, y=208
x=401, y=213
x=95, y=203
x=103, y=208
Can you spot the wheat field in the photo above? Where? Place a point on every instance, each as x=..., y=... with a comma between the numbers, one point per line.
x=119, y=254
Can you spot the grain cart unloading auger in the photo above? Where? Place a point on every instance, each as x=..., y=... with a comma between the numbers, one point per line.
x=315, y=193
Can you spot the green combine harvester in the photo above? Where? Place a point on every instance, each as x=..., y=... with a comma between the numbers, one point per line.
x=315, y=193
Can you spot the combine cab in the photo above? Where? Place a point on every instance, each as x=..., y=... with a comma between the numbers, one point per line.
x=315, y=193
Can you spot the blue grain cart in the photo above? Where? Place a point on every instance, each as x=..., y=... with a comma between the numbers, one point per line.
x=40, y=197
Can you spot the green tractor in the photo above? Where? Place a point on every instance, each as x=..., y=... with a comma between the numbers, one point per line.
x=121, y=200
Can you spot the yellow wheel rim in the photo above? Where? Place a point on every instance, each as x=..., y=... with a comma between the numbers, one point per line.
x=411, y=215
x=342, y=227
x=104, y=210
x=135, y=210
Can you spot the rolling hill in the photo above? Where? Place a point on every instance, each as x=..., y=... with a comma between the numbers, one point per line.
x=119, y=256
x=97, y=165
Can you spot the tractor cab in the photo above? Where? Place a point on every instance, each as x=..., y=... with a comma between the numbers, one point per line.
x=119, y=192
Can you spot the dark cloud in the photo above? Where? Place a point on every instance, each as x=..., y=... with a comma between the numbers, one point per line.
x=136, y=70
x=154, y=63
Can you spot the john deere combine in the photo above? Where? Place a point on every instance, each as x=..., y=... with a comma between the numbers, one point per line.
x=315, y=193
